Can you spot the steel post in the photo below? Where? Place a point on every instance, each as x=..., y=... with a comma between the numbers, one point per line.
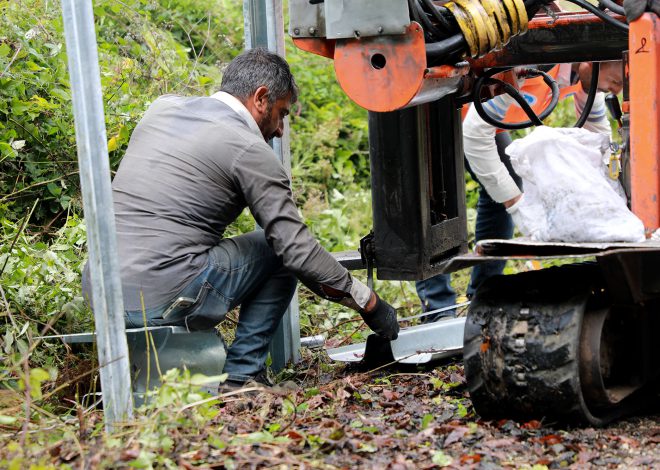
x=264, y=27
x=99, y=215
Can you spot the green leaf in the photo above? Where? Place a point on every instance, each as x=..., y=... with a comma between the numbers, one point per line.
x=441, y=459
x=4, y=50
x=54, y=189
x=426, y=420
x=8, y=419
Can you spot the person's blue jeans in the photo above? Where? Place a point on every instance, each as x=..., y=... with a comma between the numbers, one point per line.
x=245, y=271
x=493, y=221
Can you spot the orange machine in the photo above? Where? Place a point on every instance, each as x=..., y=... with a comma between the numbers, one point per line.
x=575, y=341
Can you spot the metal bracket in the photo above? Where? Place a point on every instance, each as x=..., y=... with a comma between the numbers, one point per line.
x=307, y=20
x=359, y=19
x=368, y=254
x=415, y=345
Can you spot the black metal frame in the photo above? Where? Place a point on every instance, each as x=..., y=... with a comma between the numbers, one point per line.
x=418, y=190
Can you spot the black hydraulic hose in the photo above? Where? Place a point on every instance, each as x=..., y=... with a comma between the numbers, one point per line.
x=446, y=47
x=485, y=115
x=613, y=7
x=435, y=11
x=429, y=28
x=455, y=43
x=600, y=14
x=534, y=120
x=593, y=89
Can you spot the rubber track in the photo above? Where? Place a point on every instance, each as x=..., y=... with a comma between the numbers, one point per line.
x=521, y=346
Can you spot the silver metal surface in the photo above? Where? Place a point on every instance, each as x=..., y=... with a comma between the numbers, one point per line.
x=94, y=165
x=306, y=20
x=521, y=248
x=169, y=347
x=435, y=88
x=415, y=345
x=312, y=342
x=363, y=18
x=351, y=259
x=200, y=352
x=264, y=27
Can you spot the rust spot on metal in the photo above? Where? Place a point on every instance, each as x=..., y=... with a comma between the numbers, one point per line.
x=447, y=71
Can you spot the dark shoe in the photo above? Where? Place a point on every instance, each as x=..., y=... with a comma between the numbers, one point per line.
x=260, y=383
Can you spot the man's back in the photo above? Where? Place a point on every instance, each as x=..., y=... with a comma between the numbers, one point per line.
x=174, y=194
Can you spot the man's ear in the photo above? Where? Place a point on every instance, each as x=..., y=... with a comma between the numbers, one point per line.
x=260, y=99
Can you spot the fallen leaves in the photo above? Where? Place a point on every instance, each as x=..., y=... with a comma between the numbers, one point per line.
x=397, y=421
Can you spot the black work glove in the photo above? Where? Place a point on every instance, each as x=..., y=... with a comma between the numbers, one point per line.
x=635, y=8
x=382, y=319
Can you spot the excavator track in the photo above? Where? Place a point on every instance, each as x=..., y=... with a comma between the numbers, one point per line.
x=549, y=344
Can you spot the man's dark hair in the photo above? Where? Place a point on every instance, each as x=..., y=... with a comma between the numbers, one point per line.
x=259, y=67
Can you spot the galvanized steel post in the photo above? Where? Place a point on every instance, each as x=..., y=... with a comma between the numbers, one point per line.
x=264, y=27
x=99, y=215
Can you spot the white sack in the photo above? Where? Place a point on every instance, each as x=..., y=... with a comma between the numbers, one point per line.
x=569, y=196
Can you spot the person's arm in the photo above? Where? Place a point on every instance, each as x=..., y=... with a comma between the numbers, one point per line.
x=597, y=120
x=481, y=152
x=266, y=190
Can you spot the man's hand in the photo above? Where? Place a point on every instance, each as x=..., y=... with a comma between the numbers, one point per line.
x=381, y=318
x=512, y=201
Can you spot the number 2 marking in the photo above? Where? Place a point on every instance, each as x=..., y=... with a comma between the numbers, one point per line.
x=641, y=48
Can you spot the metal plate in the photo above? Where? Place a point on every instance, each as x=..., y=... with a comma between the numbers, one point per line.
x=362, y=18
x=522, y=248
x=306, y=20
x=350, y=259
x=415, y=345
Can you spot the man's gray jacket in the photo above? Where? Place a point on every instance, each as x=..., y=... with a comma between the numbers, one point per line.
x=192, y=166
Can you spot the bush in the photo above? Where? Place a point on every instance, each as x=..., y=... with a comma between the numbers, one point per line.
x=146, y=48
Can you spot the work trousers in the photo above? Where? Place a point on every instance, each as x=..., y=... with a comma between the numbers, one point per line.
x=242, y=270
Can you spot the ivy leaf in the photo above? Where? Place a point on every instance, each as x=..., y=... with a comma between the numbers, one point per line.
x=54, y=189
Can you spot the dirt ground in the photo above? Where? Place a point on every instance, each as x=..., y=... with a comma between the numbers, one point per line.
x=412, y=419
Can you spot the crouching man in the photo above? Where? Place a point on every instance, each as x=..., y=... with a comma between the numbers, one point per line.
x=192, y=165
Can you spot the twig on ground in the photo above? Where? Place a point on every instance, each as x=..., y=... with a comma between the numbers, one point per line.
x=293, y=419
x=28, y=400
x=347, y=338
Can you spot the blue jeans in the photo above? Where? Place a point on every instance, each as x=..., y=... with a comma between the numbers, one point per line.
x=245, y=271
x=493, y=221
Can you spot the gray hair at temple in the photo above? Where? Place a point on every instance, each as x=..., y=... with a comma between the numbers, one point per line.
x=259, y=67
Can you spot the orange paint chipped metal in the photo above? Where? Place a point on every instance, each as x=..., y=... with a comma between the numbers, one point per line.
x=382, y=73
